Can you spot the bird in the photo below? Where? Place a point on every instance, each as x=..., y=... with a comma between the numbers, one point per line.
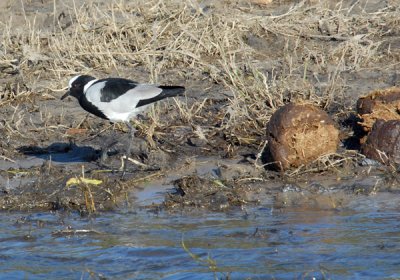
x=117, y=100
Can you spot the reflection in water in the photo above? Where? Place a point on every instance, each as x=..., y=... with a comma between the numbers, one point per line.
x=260, y=244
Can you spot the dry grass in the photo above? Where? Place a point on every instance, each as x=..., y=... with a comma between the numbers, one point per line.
x=329, y=162
x=263, y=60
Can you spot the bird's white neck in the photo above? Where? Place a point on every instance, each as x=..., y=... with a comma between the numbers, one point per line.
x=85, y=88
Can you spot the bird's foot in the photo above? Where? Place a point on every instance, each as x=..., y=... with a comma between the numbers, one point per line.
x=102, y=162
x=134, y=161
x=107, y=168
x=144, y=167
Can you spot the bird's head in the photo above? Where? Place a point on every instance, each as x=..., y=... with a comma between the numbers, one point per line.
x=76, y=86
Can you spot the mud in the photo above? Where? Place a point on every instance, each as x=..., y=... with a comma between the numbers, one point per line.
x=46, y=142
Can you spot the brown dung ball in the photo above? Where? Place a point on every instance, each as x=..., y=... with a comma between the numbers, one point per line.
x=379, y=104
x=383, y=142
x=298, y=134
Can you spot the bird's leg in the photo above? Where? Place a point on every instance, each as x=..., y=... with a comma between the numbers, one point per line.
x=106, y=146
x=104, y=155
x=132, y=131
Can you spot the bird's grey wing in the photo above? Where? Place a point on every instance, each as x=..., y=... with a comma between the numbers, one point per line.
x=128, y=101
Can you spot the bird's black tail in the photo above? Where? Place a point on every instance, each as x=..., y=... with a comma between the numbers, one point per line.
x=170, y=91
x=167, y=91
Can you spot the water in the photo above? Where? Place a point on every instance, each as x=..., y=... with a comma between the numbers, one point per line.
x=259, y=243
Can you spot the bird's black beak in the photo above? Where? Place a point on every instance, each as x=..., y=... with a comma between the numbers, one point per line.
x=65, y=95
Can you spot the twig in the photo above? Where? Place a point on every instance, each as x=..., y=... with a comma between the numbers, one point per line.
x=6, y=158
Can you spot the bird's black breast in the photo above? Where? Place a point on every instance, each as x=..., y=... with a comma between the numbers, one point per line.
x=114, y=88
x=91, y=108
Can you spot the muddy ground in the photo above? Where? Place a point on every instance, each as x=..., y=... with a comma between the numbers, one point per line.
x=326, y=52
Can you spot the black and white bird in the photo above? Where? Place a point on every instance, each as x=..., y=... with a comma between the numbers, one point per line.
x=117, y=99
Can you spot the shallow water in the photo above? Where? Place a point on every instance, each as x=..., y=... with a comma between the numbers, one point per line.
x=261, y=243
